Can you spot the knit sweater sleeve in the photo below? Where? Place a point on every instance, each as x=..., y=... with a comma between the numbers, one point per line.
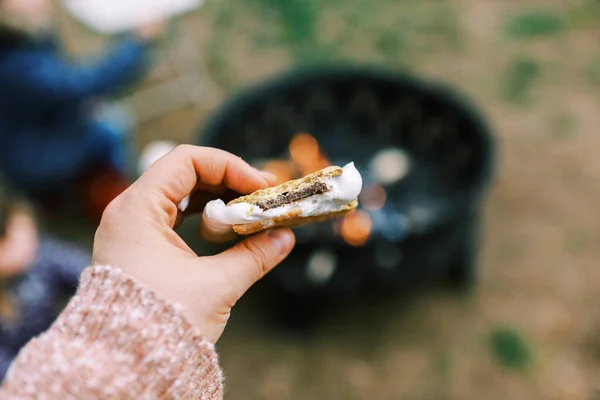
x=116, y=339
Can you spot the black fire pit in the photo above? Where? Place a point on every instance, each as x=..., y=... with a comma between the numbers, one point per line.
x=426, y=158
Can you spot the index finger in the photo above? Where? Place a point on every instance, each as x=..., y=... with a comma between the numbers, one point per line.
x=175, y=175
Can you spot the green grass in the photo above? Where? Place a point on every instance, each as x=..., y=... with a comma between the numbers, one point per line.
x=443, y=25
x=426, y=27
x=583, y=13
x=225, y=17
x=442, y=364
x=593, y=70
x=297, y=22
x=509, y=348
x=217, y=49
x=390, y=45
x=534, y=24
x=389, y=26
x=265, y=38
x=395, y=33
x=218, y=64
x=519, y=79
x=563, y=125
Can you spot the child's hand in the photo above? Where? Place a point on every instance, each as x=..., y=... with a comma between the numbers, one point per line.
x=152, y=31
x=136, y=234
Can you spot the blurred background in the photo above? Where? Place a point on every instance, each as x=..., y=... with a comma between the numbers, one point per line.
x=529, y=328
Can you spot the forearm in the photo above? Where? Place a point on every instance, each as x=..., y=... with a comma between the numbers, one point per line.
x=116, y=339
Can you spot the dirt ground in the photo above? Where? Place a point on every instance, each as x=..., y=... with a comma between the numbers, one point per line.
x=540, y=263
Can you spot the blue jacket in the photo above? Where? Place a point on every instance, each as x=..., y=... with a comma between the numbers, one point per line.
x=44, y=105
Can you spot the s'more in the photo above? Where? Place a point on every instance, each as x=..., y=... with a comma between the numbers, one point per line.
x=325, y=194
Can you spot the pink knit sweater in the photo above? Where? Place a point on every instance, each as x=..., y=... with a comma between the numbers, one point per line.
x=116, y=340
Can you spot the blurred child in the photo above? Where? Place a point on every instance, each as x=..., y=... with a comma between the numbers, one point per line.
x=50, y=138
x=35, y=275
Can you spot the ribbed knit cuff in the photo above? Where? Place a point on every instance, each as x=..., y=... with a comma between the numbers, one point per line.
x=166, y=351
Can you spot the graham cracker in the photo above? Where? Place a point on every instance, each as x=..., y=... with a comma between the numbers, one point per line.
x=291, y=186
x=292, y=219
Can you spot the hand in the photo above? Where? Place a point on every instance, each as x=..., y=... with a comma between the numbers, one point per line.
x=136, y=234
x=152, y=31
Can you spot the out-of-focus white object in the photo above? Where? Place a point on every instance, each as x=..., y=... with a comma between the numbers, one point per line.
x=390, y=165
x=153, y=152
x=116, y=16
x=321, y=266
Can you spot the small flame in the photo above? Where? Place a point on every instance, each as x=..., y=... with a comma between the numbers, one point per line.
x=283, y=170
x=305, y=152
x=356, y=228
x=373, y=197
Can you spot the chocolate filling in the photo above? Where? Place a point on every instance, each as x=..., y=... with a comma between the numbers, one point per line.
x=290, y=197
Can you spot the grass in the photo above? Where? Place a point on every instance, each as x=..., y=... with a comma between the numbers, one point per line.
x=225, y=18
x=509, y=349
x=390, y=45
x=563, y=125
x=593, y=70
x=422, y=27
x=533, y=24
x=442, y=364
x=326, y=30
x=583, y=14
x=297, y=22
x=265, y=38
x=218, y=64
x=443, y=26
x=217, y=49
x=519, y=79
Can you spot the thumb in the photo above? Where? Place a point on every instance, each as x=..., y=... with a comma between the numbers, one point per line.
x=250, y=260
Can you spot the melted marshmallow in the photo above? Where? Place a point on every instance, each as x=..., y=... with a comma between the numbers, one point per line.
x=342, y=190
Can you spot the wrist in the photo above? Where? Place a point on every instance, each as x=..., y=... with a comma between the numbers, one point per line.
x=112, y=306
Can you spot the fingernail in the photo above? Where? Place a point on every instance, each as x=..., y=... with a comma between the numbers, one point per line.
x=283, y=239
x=183, y=204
